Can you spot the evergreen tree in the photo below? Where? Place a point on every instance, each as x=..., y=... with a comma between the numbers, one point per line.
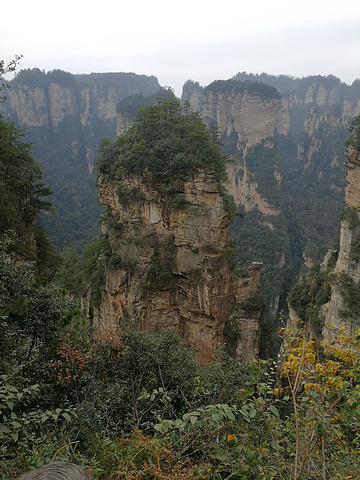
x=22, y=196
x=168, y=141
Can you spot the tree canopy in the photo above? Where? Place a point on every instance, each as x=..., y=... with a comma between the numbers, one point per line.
x=4, y=69
x=265, y=92
x=354, y=129
x=22, y=193
x=168, y=141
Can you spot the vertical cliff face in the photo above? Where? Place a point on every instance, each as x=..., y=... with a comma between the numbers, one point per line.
x=169, y=260
x=288, y=173
x=172, y=264
x=341, y=314
x=311, y=113
x=322, y=129
x=250, y=117
x=248, y=114
x=245, y=117
x=316, y=91
x=65, y=117
x=37, y=99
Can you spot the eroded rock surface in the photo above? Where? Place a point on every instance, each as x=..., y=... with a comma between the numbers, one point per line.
x=173, y=269
x=339, y=317
x=171, y=263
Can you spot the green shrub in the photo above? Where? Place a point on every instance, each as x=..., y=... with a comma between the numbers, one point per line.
x=308, y=296
x=354, y=129
x=253, y=303
x=350, y=215
x=160, y=270
x=127, y=194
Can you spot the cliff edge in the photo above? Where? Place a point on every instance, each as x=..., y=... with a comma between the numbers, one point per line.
x=341, y=314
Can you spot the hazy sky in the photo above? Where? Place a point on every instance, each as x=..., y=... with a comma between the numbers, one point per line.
x=177, y=41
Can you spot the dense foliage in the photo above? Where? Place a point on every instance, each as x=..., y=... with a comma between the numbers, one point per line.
x=309, y=295
x=314, y=191
x=31, y=310
x=22, y=187
x=4, y=69
x=354, y=129
x=265, y=162
x=127, y=404
x=22, y=198
x=131, y=105
x=168, y=141
x=33, y=314
x=265, y=92
x=75, y=199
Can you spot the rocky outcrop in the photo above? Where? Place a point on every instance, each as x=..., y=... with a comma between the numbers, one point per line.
x=244, y=119
x=248, y=312
x=313, y=115
x=323, y=131
x=246, y=114
x=249, y=117
x=171, y=264
x=352, y=191
x=242, y=186
x=123, y=123
x=339, y=315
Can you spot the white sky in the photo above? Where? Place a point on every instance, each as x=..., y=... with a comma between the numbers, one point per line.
x=192, y=39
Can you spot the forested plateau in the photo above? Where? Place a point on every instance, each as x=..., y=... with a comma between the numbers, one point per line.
x=160, y=353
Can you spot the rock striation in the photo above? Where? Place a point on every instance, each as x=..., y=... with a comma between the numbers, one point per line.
x=170, y=265
x=341, y=315
x=37, y=99
x=287, y=146
x=245, y=118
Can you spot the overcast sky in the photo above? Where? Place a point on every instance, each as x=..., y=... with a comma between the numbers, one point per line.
x=191, y=39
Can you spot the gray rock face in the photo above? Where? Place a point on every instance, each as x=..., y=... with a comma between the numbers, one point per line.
x=190, y=246
x=186, y=244
x=336, y=324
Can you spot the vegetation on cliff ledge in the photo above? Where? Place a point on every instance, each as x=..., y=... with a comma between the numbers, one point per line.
x=310, y=294
x=355, y=133
x=167, y=142
x=265, y=92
